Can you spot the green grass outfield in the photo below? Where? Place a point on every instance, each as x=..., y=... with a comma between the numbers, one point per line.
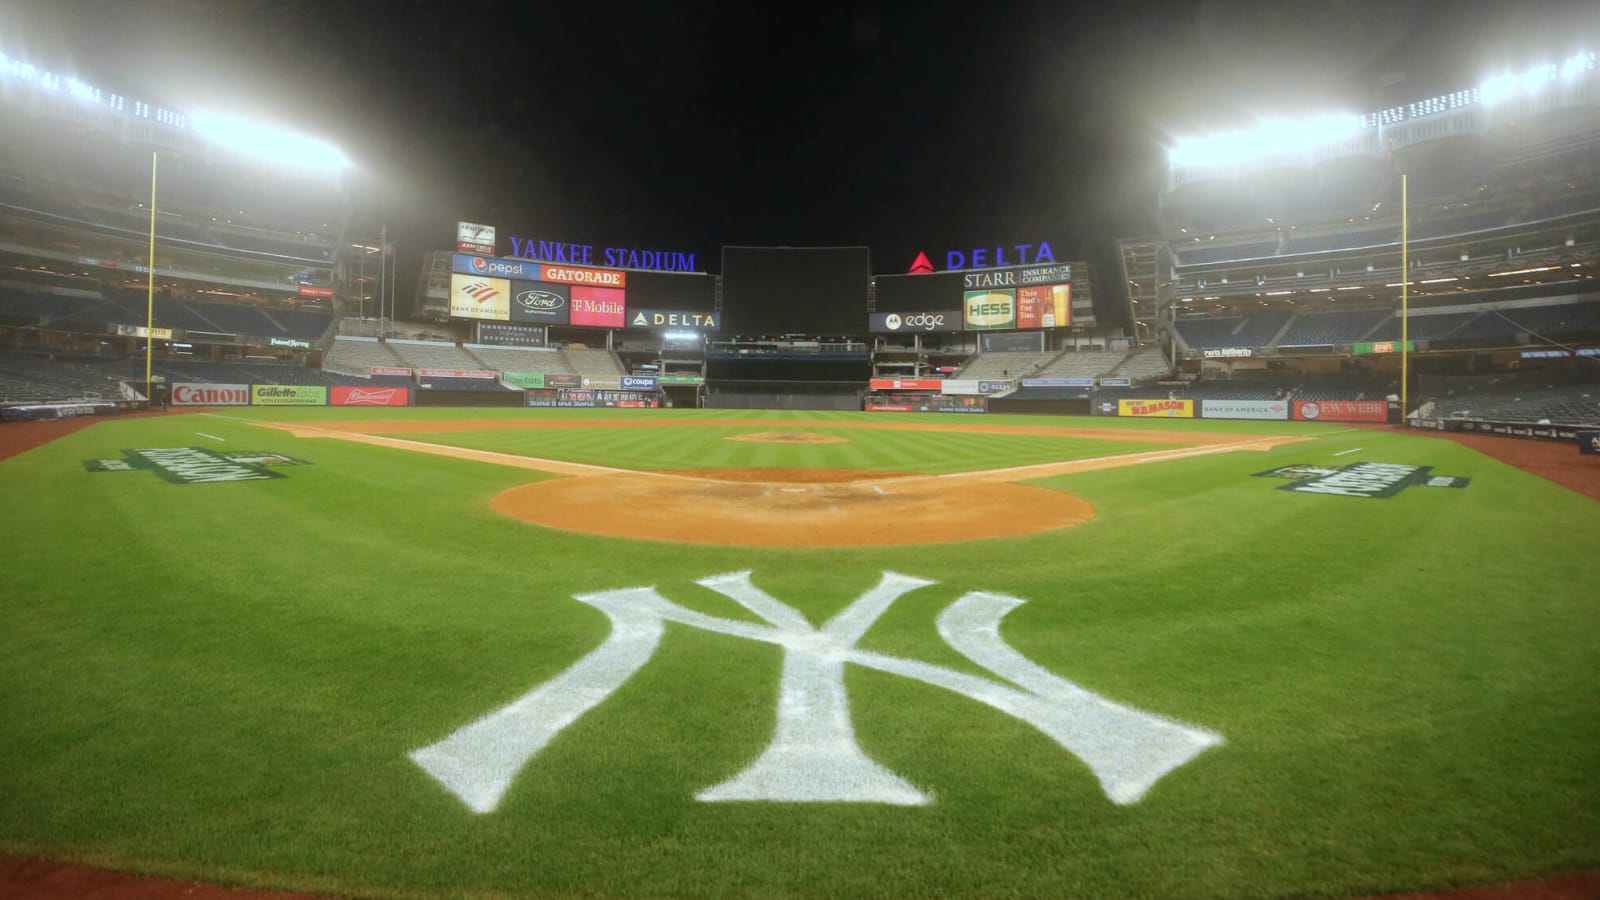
x=223, y=681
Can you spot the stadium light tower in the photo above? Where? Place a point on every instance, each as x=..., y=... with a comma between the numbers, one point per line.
x=269, y=143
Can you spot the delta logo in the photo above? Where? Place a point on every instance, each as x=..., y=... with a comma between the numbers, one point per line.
x=921, y=265
x=480, y=291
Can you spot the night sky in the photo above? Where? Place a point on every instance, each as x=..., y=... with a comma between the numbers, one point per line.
x=688, y=126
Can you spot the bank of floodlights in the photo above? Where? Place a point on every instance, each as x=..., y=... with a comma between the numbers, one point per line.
x=1279, y=137
x=268, y=143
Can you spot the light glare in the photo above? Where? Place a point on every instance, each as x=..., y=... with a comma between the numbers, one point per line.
x=269, y=143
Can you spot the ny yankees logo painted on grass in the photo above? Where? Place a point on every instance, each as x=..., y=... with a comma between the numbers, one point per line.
x=813, y=755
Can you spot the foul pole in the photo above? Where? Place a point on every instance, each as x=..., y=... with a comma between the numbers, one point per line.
x=1405, y=312
x=150, y=282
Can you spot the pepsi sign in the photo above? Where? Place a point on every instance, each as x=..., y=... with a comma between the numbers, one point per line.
x=493, y=267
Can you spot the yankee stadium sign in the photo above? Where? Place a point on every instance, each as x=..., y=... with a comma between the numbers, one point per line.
x=607, y=257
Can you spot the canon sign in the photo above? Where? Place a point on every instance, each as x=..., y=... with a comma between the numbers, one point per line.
x=936, y=320
x=184, y=394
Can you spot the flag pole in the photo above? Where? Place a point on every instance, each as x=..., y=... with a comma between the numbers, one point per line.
x=1405, y=312
x=150, y=281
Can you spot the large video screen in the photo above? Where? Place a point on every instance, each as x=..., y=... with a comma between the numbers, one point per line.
x=670, y=290
x=795, y=290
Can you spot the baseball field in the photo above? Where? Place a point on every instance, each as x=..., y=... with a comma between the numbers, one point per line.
x=711, y=653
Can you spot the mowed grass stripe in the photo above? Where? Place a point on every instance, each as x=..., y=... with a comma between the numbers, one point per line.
x=712, y=447
x=221, y=681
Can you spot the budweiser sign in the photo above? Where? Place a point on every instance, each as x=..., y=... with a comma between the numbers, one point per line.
x=363, y=396
x=186, y=394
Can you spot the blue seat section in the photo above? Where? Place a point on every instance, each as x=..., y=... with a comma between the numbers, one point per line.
x=1328, y=328
x=1202, y=333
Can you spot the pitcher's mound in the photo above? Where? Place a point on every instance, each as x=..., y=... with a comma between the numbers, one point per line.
x=791, y=507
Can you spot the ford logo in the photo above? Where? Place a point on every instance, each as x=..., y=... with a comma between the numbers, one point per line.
x=540, y=300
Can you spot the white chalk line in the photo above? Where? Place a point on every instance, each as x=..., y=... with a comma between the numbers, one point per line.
x=1352, y=450
x=212, y=436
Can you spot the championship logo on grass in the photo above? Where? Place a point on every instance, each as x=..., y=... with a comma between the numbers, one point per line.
x=1362, y=479
x=197, y=465
x=813, y=756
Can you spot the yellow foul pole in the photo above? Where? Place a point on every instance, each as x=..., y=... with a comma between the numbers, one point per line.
x=150, y=283
x=1405, y=313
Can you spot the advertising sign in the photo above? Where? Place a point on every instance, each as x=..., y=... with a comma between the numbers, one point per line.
x=545, y=304
x=1116, y=382
x=638, y=382
x=391, y=370
x=1382, y=347
x=598, y=306
x=1058, y=382
x=490, y=267
x=184, y=394
x=906, y=384
x=160, y=334
x=506, y=335
x=538, y=380
x=312, y=290
x=993, y=387
x=1167, y=409
x=682, y=379
x=288, y=395
x=1588, y=442
x=1226, y=352
x=989, y=310
x=455, y=373
x=1342, y=410
x=373, y=396
x=472, y=297
x=901, y=322
x=472, y=238
x=606, y=278
x=1244, y=409
x=291, y=343
x=674, y=318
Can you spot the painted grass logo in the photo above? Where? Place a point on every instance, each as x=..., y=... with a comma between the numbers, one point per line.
x=813, y=756
x=197, y=465
x=1362, y=479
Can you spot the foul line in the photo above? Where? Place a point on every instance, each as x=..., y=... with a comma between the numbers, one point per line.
x=561, y=467
x=212, y=436
x=1353, y=450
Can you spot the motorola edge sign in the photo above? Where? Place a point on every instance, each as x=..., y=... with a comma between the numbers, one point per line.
x=896, y=323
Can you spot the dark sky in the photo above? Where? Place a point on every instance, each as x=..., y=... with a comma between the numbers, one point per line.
x=687, y=126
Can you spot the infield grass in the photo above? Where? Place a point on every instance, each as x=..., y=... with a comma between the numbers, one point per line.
x=223, y=681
